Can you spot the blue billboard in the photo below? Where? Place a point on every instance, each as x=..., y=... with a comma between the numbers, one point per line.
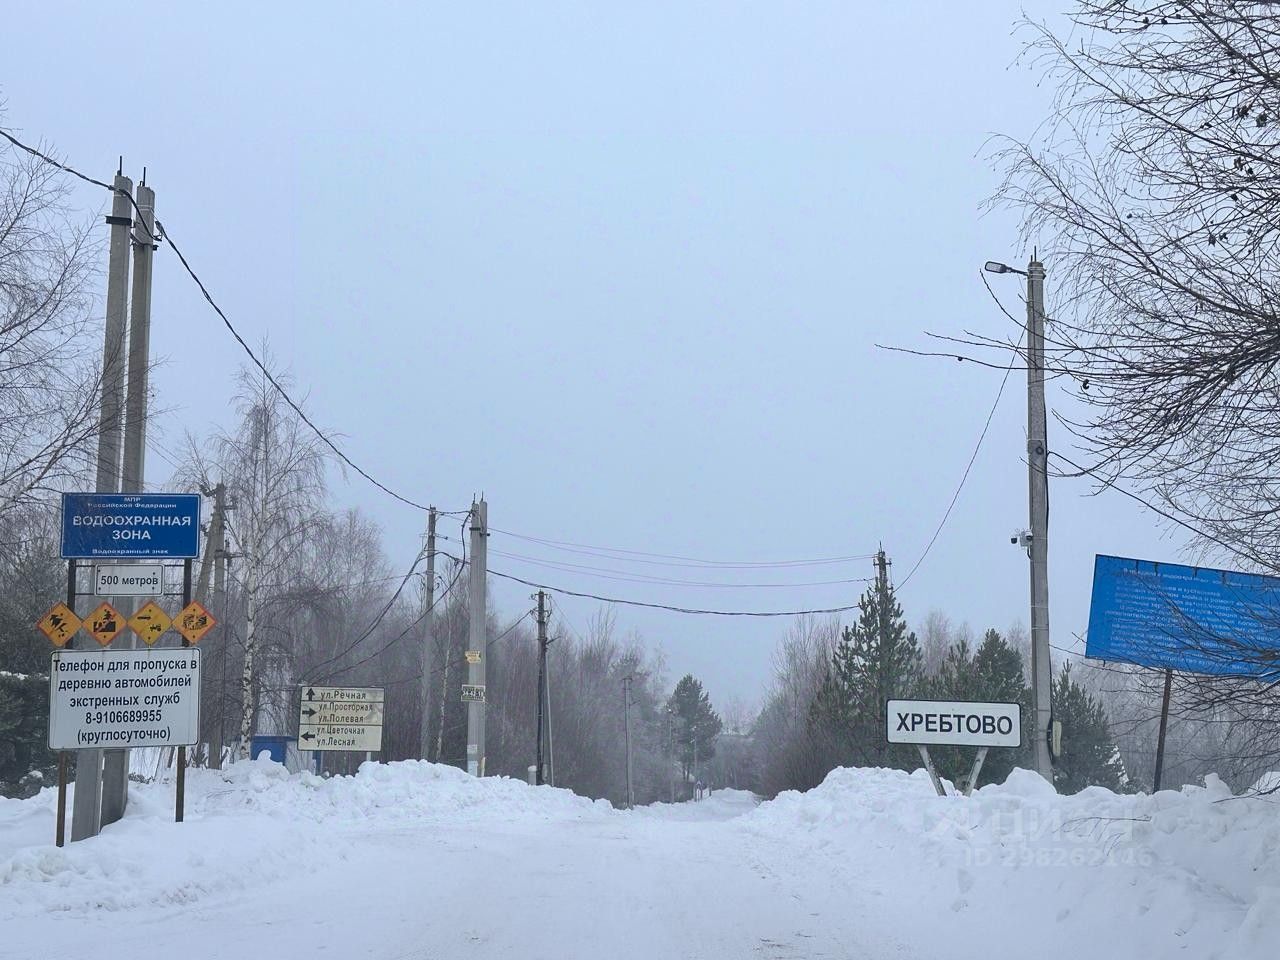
x=122, y=526
x=1195, y=619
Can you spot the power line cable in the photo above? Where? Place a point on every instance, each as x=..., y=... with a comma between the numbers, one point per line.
x=609, y=573
x=165, y=233
x=608, y=553
x=969, y=466
x=696, y=611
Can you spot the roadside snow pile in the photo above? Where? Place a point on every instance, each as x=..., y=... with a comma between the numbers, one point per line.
x=1197, y=870
x=406, y=790
x=249, y=825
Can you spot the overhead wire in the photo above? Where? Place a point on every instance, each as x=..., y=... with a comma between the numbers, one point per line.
x=976, y=448
x=608, y=553
x=461, y=563
x=696, y=611
x=610, y=573
x=271, y=379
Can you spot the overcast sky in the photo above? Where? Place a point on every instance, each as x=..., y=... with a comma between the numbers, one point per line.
x=620, y=267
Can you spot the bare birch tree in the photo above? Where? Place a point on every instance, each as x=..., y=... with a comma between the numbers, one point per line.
x=48, y=375
x=274, y=469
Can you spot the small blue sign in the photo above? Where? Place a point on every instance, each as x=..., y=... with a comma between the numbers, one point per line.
x=1195, y=619
x=130, y=526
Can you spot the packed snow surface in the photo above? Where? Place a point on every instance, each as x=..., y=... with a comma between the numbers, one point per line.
x=413, y=861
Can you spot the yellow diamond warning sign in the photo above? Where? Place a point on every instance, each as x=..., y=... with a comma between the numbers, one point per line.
x=150, y=622
x=104, y=623
x=194, y=622
x=59, y=624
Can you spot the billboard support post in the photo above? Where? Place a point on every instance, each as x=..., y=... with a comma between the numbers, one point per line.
x=1164, y=726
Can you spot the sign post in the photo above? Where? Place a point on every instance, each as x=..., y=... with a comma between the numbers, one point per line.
x=961, y=723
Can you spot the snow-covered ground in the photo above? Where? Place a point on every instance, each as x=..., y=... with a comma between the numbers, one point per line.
x=411, y=861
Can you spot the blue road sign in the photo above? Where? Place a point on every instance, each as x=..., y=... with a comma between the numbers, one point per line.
x=130, y=525
x=1195, y=619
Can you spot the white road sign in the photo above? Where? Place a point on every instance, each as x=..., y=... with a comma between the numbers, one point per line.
x=954, y=722
x=128, y=579
x=341, y=718
x=124, y=698
x=473, y=693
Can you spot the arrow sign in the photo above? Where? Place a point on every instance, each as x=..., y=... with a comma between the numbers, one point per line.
x=341, y=718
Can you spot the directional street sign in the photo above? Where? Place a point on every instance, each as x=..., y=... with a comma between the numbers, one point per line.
x=150, y=622
x=124, y=698
x=473, y=693
x=194, y=622
x=341, y=718
x=104, y=623
x=130, y=525
x=128, y=579
x=59, y=624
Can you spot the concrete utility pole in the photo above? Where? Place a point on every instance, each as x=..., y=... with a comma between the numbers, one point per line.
x=218, y=538
x=86, y=815
x=1038, y=501
x=477, y=636
x=115, y=763
x=542, y=676
x=882, y=569
x=626, y=722
x=135, y=419
x=429, y=603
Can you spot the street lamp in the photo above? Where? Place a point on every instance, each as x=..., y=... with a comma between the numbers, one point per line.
x=1038, y=507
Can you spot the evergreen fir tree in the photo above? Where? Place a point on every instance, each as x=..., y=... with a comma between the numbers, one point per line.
x=697, y=725
x=1089, y=754
x=993, y=675
x=876, y=660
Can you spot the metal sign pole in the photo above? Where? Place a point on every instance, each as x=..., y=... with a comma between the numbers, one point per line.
x=61, y=836
x=181, y=793
x=933, y=774
x=977, y=769
x=1164, y=726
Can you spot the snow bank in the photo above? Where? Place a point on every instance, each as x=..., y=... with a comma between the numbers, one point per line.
x=250, y=825
x=1118, y=872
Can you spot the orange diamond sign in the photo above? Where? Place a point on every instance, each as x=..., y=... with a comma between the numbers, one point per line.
x=104, y=623
x=59, y=624
x=194, y=622
x=150, y=622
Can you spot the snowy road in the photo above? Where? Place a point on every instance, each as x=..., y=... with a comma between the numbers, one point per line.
x=667, y=884
x=415, y=862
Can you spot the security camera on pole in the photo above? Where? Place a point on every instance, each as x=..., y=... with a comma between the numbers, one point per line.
x=1037, y=539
